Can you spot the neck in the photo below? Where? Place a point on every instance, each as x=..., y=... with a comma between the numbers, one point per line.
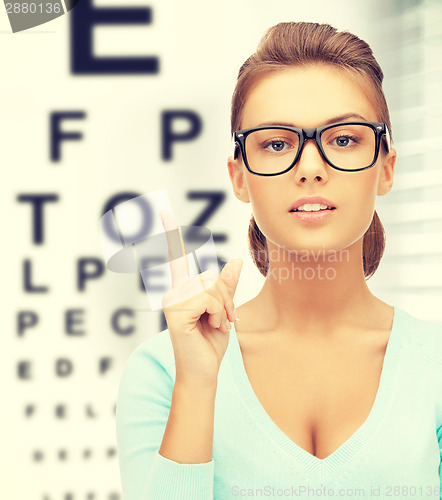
x=316, y=291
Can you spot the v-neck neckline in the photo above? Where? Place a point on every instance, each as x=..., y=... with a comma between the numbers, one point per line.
x=348, y=449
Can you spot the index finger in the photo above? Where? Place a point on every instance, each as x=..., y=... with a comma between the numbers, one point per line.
x=179, y=264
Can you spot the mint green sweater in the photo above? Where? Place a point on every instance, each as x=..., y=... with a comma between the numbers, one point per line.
x=395, y=453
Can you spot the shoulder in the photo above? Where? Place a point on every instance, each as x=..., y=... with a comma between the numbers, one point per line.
x=424, y=335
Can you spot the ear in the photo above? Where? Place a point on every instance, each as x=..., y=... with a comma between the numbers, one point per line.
x=387, y=173
x=237, y=177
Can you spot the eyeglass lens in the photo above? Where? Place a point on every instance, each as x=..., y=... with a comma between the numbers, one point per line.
x=345, y=146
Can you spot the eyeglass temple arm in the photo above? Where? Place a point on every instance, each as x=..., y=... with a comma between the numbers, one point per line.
x=235, y=147
x=387, y=139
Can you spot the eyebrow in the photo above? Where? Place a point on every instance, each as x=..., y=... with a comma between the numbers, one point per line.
x=335, y=119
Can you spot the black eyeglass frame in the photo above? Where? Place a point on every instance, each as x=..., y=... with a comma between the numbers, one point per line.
x=304, y=134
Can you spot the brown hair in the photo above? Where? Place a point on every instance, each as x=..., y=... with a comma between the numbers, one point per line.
x=296, y=44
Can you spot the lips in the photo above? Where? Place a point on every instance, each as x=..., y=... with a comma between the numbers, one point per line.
x=312, y=217
x=312, y=200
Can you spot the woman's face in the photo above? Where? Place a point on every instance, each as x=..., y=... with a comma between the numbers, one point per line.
x=304, y=97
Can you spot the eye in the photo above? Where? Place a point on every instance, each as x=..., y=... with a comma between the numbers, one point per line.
x=276, y=146
x=343, y=141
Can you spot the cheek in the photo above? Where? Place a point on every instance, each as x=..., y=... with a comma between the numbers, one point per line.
x=359, y=197
x=265, y=194
x=369, y=186
x=269, y=201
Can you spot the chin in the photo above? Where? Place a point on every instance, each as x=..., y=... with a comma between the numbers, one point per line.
x=304, y=247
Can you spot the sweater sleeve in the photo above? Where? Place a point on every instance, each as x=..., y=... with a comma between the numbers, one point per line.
x=439, y=417
x=438, y=352
x=439, y=436
x=143, y=404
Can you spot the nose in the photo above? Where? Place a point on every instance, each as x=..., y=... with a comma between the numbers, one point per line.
x=310, y=165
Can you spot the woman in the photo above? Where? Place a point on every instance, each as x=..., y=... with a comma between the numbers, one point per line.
x=320, y=388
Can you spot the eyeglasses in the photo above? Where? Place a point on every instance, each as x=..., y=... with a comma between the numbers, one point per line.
x=348, y=146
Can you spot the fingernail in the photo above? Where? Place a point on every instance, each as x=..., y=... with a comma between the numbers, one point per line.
x=235, y=314
x=228, y=325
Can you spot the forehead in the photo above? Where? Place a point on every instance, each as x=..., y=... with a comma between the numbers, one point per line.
x=306, y=96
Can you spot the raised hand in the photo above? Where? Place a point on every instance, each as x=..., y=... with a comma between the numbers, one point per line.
x=198, y=312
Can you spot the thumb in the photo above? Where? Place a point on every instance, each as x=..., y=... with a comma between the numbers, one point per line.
x=230, y=274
